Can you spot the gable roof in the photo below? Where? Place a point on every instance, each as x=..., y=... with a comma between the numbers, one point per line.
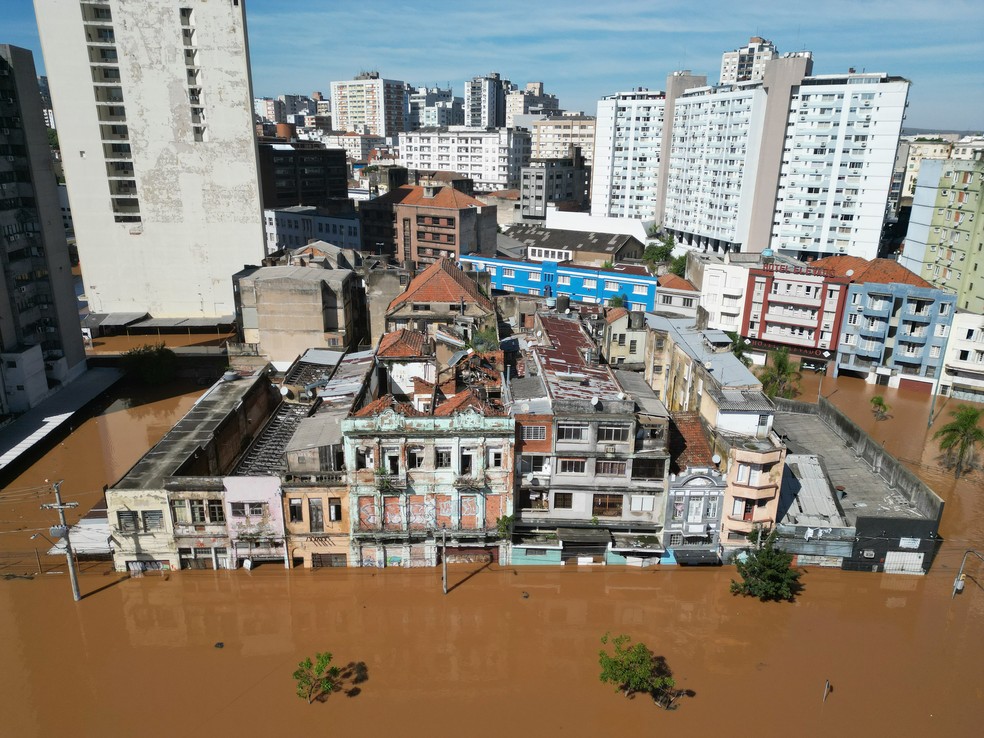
x=464, y=401
x=442, y=281
x=554, y=238
x=403, y=343
x=614, y=314
x=445, y=197
x=673, y=282
x=388, y=402
x=879, y=271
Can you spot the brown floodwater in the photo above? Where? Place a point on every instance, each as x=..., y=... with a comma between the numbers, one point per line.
x=507, y=650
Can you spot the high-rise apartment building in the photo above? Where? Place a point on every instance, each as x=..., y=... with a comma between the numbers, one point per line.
x=554, y=136
x=40, y=336
x=945, y=241
x=747, y=64
x=485, y=101
x=841, y=137
x=435, y=107
x=159, y=149
x=628, y=133
x=270, y=110
x=532, y=99
x=492, y=158
x=369, y=104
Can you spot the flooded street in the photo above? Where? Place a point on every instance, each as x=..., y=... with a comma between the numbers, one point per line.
x=138, y=657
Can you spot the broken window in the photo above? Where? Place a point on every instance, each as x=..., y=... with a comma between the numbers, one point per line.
x=467, y=463
x=334, y=509
x=607, y=506
x=495, y=458
x=415, y=458
x=127, y=520
x=296, y=506
x=563, y=500
x=179, y=510
x=197, y=511
x=316, y=514
x=153, y=520
x=443, y=458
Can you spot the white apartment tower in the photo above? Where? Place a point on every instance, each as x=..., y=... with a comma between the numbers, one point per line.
x=492, y=158
x=747, y=64
x=485, y=101
x=628, y=132
x=369, y=104
x=839, y=153
x=156, y=129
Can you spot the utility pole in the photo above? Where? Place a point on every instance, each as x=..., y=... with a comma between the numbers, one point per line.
x=61, y=507
x=444, y=559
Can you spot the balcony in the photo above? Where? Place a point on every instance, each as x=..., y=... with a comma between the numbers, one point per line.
x=386, y=481
x=469, y=481
x=794, y=299
x=923, y=315
x=773, y=316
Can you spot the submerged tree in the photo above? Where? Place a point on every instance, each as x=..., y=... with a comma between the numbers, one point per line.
x=781, y=377
x=635, y=669
x=960, y=438
x=765, y=570
x=316, y=678
x=879, y=407
x=153, y=364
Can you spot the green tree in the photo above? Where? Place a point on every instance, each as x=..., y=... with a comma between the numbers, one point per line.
x=153, y=364
x=659, y=253
x=879, y=407
x=738, y=348
x=780, y=378
x=765, y=571
x=616, y=302
x=486, y=339
x=53, y=139
x=634, y=669
x=678, y=265
x=317, y=678
x=960, y=438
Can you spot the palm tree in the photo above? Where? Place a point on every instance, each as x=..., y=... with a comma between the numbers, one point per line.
x=780, y=377
x=960, y=437
x=738, y=348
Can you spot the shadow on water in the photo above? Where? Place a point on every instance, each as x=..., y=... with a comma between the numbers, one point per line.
x=477, y=571
x=353, y=674
x=106, y=586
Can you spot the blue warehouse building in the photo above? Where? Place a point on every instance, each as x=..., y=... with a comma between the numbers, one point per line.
x=634, y=284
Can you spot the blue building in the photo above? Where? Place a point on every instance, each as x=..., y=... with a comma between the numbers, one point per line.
x=895, y=333
x=634, y=284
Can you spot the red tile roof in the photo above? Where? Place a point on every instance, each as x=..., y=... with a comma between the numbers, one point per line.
x=442, y=281
x=463, y=401
x=503, y=194
x=445, y=197
x=387, y=402
x=879, y=271
x=688, y=444
x=614, y=314
x=673, y=282
x=403, y=343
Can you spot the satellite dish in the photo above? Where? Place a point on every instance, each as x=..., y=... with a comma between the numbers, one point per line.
x=284, y=391
x=595, y=400
x=621, y=395
x=850, y=272
x=539, y=333
x=716, y=459
x=529, y=477
x=567, y=311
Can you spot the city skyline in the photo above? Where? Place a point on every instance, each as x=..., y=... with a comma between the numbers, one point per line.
x=583, y=54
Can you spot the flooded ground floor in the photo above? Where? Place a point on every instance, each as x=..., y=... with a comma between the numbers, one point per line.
x=506, y=651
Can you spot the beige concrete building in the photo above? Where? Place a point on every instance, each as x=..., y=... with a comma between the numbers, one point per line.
x=553, y=137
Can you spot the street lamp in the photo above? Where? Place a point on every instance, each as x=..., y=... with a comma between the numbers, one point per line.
x=36, y=554
x=958, y=583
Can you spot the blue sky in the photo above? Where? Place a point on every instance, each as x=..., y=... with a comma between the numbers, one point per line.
x=584, y=50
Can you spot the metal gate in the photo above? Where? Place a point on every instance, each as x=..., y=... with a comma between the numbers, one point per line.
x=324, y=561
x=903, y=562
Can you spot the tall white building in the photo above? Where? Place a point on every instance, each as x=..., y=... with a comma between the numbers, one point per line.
x=155, y=116
x=624, y=177
x=747, y=64
x=485, y=101
x=369, y=104
x=492, y=158
x=839, y=153
x=435, y=107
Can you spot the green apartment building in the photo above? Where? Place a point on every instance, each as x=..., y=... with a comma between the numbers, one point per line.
x=945, y=241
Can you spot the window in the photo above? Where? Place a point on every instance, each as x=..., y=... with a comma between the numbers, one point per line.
x=649, y=469
x=572, y=466
x=295, y=507
x=508, y=272
x=179, y=511
x=198, y=512
x=152, y=520
x=610, y=468
x=589, y=284
x=852, y=319
x=127, y=520
x=642, y=503
x=443, y=458
x=687, y=302
x=742, y=476
x=563, y=500
x=711, y=507
x=534, y=276
x=632, y=346
x=607, y=506
x=334, y=509
x=562, y=280
x=415, y=458
x=677, y=513
x=611, y=285
x=420, y=307
x=665, y=299
x=534, y=432
x=216, y=511
x=495, y=458
x=316, y=515
x=571, y=432
x=532, y=464
x=639, y=289
x=613, y=433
